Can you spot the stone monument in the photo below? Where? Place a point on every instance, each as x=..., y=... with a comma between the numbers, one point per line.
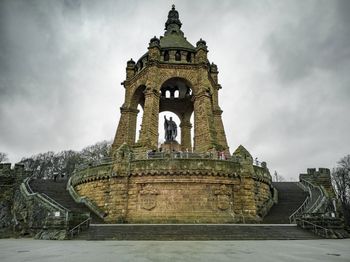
x=170, y=134
x=184, y=182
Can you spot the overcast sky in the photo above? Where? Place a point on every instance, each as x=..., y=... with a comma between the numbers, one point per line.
x=284, y=68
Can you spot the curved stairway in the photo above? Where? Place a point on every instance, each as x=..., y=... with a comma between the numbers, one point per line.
x=290, y=198
x=57, y=191
x=274, y=227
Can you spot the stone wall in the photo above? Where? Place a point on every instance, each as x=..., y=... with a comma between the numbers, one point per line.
x=10, y=179
x=177, y=191
x=320, y=177
x=21, y=213
x=107, y=194
x=262, y=194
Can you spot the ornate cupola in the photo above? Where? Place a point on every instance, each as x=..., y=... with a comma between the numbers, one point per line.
x=190, y=176
x=173, y=22
x=176, y=76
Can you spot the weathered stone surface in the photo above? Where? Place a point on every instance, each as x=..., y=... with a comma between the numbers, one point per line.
x=166, y=188
x=177, y=191
x=320, y=177
x=10, y=179
x=173, y=59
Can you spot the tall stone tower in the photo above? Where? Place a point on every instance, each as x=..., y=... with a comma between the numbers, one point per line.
x=172, y=76
x=174, y=187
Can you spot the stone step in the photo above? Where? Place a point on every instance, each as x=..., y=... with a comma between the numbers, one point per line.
x=195, y=232
x=290, y=198
x=57, y=191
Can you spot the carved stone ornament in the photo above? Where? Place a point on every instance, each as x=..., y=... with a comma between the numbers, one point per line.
x=223, y=196
x=148, y=197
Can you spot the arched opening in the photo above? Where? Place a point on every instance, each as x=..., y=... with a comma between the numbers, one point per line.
x=166, y=56
x=138, y=102
x=177, y=56
x=180, y=104
x=189, y=57
x=182, y=86
x=138, y=122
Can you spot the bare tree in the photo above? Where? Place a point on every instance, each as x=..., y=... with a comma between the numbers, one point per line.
x=277, y=177
x=96, y=152
x=341, y=182
x=3, y=157
x=51, y=164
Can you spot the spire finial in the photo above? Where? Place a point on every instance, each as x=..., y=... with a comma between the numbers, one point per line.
x=173, y=19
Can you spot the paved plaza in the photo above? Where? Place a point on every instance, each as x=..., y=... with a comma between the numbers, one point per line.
x=17, y=250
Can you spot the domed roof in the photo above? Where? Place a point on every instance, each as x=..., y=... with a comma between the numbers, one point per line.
x=176, y=41
x=174, y=37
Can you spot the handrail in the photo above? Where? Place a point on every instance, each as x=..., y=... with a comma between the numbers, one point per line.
x=314, y=227
x=319, y=198
x=315, y=206
x=55, y=202
x=28, y=192
x=305, y=188
x=78, y=199
x=26, y=182
x=292, y=217
x=299, y=211
x=77, y=227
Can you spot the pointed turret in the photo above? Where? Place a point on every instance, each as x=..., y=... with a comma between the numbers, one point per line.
x=173, y=22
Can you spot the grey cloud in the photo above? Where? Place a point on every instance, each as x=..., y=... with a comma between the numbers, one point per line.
x=61, y=64
x=317, y=38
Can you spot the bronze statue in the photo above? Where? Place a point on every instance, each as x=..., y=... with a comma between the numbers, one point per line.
x=170, y=129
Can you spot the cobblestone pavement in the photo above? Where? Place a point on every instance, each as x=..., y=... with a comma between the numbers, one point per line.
x=103, y=251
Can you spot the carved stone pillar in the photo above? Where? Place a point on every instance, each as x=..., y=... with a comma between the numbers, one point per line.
x=149, y=127
x=204, y=130
x=186, y=127
x=220, y=131
x=126, y=130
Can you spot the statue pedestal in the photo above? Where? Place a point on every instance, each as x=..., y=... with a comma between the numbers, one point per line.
x=170, y=146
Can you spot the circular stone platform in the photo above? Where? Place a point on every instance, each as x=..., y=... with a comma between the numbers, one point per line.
x=177, y=189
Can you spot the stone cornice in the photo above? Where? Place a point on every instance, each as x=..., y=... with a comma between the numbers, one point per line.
x=152, y=168
x=129, y=110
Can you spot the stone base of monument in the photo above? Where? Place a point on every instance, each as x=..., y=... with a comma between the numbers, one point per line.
x=170, y=146
x=176, y=189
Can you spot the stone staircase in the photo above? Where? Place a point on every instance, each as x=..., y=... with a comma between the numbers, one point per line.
x=276, y=223
x=290, y=198
x=195, y=232
x=57, y=191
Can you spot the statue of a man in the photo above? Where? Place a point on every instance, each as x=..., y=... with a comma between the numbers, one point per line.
x=170, y=129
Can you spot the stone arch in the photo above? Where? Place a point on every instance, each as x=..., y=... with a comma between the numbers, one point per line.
x=138, y=97
x=188, y=76
x=182, y=106
x=166, y=55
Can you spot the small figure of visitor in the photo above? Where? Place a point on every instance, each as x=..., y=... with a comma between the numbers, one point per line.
x=55, y=175
x=256, y=161
x=186, y=153
x=222, y=155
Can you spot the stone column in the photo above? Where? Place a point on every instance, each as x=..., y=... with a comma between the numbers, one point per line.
x=204, y=130
x=149, y=127
x=186, y=127
x=172, y=56
x=126, y=130
x=220, y=131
